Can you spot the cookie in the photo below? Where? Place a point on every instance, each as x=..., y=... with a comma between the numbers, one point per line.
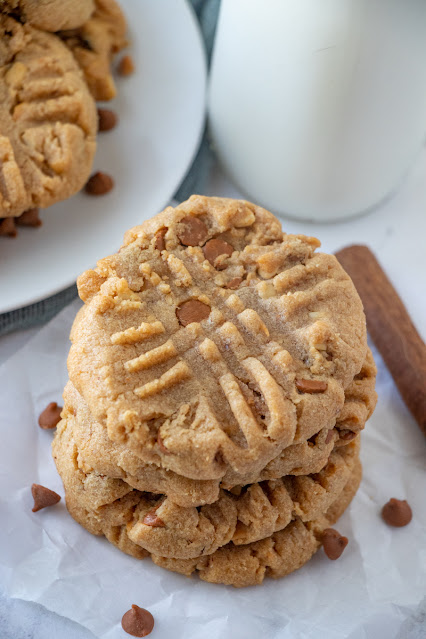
x=276, y=556
x=95, y=44
x=47, y=120
x=50, y=15
x=97, y=452
x=239, y=565
x=215, y=339
x=160, y=526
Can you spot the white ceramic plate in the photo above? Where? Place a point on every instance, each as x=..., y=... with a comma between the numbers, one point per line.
x=161, y=109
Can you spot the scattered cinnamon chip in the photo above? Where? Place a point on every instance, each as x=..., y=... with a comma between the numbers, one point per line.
x=7, y=227
x=192, y=232
x=192, y=311
x=137, y=622
x=43, y=497
x=126, y=66
x=160, y=243
x=311, y=386
x=107, y=119
x=397, y=512
x=99, y=184
x=334, y=543
x=234, y=283
x=50, y=417
x=347, y=435
x=329, y=436
x=214, y=249
x=161, y=445
x=29, y=218
x=151, y=519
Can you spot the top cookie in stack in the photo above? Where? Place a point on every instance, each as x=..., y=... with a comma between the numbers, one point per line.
x=219, y=377
x=212, y=340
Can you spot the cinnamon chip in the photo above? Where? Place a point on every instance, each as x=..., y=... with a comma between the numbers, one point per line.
x=107, y=119
x=329, y=436
x=29, y=218
x=234, y=283
x=151, y=519
x=137, y=622
x=99, y=184
x=214, y=249
x=193, y=231
x=50, y=417
x=347, y=435
x=192, y=311
x=334, y=543
x=126, y=66
x=160, y=243
x=311, y=386
x=7, y=227
x=397, y=512
x=161, y=445
x=43, y=497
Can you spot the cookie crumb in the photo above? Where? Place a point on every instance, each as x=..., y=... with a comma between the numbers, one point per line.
x=334, y=543
x=43, y=497
x=126, y=66
x=99, y=184
x=107, y=119
x=50, y=417
x=397, y=513
x=137, y=622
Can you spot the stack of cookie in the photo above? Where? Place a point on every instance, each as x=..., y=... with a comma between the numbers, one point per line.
x=219, y=380
x=48, y=86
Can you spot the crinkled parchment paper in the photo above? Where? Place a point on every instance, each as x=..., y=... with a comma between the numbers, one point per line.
x=369, y=593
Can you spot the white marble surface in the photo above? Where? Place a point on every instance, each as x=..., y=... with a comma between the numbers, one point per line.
x=396, y=232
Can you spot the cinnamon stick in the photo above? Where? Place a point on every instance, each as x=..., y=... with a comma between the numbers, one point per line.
x=390, y=327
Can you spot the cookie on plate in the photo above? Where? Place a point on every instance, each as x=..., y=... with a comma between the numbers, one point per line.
x=48, y=120
x=212, y=341
x=95, y=44
x=50, y=15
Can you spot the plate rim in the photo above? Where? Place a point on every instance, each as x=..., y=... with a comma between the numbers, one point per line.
x=55, y=290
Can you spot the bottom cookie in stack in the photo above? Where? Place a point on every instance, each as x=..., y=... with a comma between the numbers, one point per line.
x=270, y=528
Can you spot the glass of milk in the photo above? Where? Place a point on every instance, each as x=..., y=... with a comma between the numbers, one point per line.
x=318, y=107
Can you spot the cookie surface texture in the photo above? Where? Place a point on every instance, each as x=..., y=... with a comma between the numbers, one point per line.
x=48, y=120
x=50, y=15
x=211, y=361
x=95, y=44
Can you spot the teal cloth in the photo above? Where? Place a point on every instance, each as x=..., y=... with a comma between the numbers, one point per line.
x=194, y=182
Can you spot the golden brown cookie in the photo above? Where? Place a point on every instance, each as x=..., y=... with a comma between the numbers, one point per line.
x=50, y=15
x=47, y=120
x=276, y=556
x=95, y=44
x=160, y=526
x=212, y=340
x=239, y=565
x=97, y=452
